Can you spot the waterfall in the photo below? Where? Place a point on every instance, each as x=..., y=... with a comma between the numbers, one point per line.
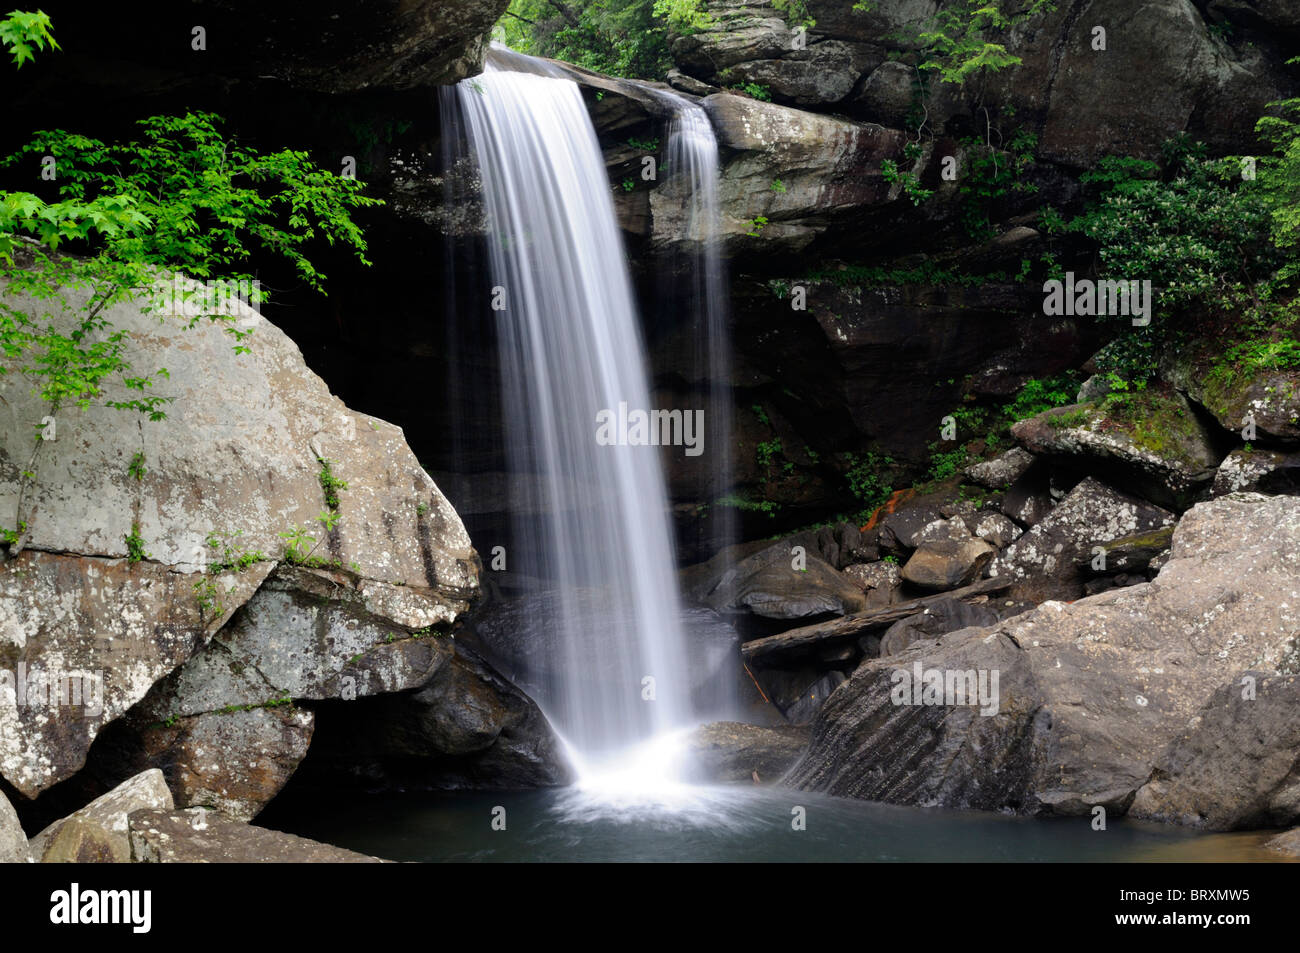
x=570, y=349
x=695, y=276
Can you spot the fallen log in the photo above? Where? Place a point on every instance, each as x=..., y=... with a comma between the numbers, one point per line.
x=821, y=634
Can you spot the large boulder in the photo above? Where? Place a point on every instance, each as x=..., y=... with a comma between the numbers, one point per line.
x=109, y=814
x=827, y=167
x=238, y=461
x=1237, y=764
x=779, y=584
x=1044, y=562
x=1260, y=471
x=1087, y=696
x=200, y=836
x=467, y=727
x=1157, y=445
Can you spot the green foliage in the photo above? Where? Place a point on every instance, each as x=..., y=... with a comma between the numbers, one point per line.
x=1278, y=179
x=331, y=484
x=796, y=12
x=767, y=452
x=137, y=468
x=1039, y=394
x=180, y=198
x=891, y=173
x=777, y=185
x=619, y=37
x=960, y=43
x=866, y=479
x=756, y=225
x=22, y=33
x=755, y=91
x=646, y=145
x=230, y=555
x=1189, y=227
x=990, y=174
x=749, y=506
x=135, y=545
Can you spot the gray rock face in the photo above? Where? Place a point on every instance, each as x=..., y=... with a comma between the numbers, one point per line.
x=1001, y=471
x=879, y=580
x=1237, y=764
x=13, y=841
x=1090, y=694
x=239, y=456
x=1288, y=843
x=1170, y=472
x=467, y=727
x=767, y=584
x=944, y=616
x=109, y=812
x=827, y=166
x=199, y=836
x=1262, y=471
x=730, y=751
x=1262, y=409
x=1043, y=561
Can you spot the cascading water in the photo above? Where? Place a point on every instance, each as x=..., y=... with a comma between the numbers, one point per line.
x=570, y=348
x=695, y=275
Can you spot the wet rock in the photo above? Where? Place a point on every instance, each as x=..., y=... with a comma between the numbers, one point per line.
x=109, y=812
x=730, y=751
x=1043, y=562
x=200, y=836
x=1288, y=843
x=828, y=167
x=1090, y=695
x=467, y=728
x=1235, y=765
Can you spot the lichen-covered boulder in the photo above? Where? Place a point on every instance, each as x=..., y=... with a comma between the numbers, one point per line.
x=1043, y=563
x=109, y=813
x=1158, y=446
x=253, y=446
